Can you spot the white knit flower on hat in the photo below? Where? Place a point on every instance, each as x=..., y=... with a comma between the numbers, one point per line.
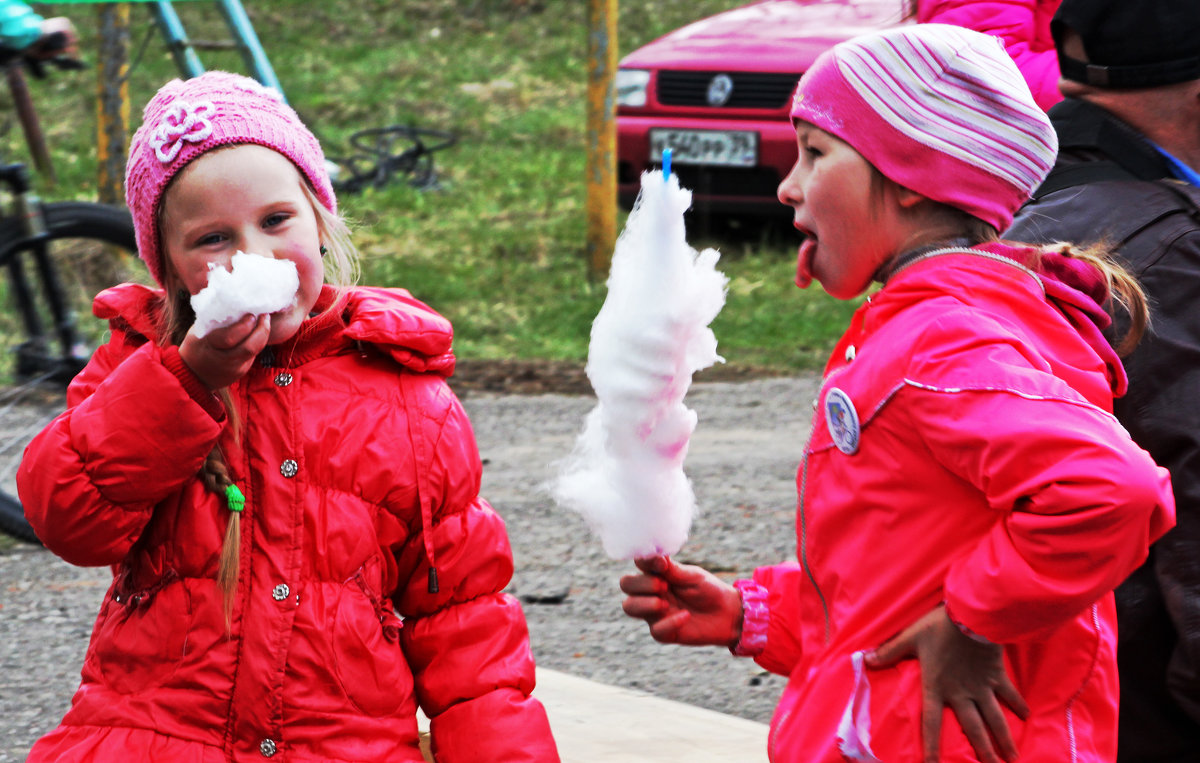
x=183, y=121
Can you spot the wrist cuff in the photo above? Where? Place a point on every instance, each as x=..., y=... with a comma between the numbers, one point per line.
x=962, y=628
x=756, y=616
x=191, y=383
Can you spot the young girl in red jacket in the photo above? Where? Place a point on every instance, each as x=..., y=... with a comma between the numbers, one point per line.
x=966, y=497
x=290, y=503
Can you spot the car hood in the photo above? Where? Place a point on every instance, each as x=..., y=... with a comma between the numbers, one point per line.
x=772, y=35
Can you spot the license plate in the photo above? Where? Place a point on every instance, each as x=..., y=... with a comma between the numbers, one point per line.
x=727, y=148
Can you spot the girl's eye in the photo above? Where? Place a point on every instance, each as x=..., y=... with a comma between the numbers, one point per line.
x=812, y=151
x=275, y=219
x=209, y=239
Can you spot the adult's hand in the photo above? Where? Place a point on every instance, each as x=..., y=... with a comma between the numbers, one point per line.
x=224, y=355
x=683, y=604
x=58, y=39
x=958, y=671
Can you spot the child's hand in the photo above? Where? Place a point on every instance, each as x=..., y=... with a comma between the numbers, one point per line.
x=965, y=674
x=683, y=604
x=224, y=355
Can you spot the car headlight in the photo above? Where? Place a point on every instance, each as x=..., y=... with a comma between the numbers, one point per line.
x=631, y=87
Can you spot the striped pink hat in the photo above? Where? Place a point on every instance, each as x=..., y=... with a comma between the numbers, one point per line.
x=939, y=109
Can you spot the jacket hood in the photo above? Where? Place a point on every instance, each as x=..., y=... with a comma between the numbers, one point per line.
x=1081, y=293
x=413, y=333
x=391, y=320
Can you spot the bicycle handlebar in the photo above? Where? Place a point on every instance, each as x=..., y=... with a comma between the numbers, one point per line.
x=37, y=66
x=56, y=48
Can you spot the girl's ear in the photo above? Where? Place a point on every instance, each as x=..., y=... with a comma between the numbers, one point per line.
x=908, y=198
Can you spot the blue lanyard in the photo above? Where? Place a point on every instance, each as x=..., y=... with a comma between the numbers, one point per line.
x=1181, y=170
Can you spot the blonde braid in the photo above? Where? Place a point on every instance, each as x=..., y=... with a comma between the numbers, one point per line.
x=215, y=476
x=176, y=317
x=1123, y=288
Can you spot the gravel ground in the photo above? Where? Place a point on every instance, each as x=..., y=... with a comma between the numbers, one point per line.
x=742, y=464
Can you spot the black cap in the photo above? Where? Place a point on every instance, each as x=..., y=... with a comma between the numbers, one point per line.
x=1130, y=43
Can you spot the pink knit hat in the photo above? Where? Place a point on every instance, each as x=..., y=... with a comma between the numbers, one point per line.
x=187, y=118
x=939, y=109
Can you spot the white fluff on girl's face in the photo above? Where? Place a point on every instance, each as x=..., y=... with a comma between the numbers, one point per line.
x=244, y=198
x=255, y=286
x=625, y=475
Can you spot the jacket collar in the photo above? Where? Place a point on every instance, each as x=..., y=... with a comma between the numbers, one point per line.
x=1081, y=125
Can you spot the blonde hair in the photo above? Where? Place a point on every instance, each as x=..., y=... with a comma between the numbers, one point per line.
x=1123, y=288
x=175, y=318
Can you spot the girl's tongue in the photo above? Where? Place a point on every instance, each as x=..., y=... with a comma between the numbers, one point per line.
x=804, y=258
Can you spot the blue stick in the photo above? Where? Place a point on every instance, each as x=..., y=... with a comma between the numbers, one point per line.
x=666, y=163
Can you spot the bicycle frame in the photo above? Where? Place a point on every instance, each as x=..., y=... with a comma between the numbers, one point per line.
x=239, y=25
x=27, y=207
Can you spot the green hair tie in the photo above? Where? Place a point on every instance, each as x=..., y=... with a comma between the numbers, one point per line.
x=234, y=497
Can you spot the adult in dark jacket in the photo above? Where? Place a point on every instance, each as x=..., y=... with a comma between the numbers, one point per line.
x=1129, y=135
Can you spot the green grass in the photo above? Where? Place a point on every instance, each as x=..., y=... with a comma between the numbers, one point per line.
x=500, y=250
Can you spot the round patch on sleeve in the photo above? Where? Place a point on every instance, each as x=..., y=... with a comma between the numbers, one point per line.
x=842, y=420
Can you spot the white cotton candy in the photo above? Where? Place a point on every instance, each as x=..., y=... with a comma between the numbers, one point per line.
x=257, y=285
x=625, y=474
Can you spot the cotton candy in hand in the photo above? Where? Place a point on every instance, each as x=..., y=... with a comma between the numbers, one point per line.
x=257, y=285
x=625, y=475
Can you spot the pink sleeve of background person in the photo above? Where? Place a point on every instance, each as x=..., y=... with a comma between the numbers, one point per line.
x=1024, y=25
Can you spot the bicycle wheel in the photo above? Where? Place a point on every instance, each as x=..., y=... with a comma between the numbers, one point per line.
x=87, y=247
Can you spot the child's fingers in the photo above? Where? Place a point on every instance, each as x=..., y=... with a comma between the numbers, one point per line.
x=682, y=574
x=997, y=725
x=931, y=727
x=256, y=340
x=974, y=728
x=898, y=648
x=1011, y=697
x=667, y=629
x=652, y=565
x=228, y=337
x=643, y=585
x=644, y=607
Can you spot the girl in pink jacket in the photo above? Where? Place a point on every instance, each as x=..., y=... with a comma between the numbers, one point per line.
x=966, y=497
x=290, y=504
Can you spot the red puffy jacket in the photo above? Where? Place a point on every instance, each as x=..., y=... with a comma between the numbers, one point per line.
x=360, y=473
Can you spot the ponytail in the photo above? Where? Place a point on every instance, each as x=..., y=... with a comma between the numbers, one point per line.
x=215, y=476
x=1123, y=289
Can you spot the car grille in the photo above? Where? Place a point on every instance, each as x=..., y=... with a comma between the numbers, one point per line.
x=751, y=90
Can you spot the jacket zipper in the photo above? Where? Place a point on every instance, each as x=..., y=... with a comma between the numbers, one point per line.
x=1072, y=746
x=775, y=730
x=804, y=542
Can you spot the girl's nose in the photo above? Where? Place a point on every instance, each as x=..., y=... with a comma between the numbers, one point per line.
x=789, y=192
x=253, y=243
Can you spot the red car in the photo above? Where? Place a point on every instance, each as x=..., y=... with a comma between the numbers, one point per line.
x=718, y=93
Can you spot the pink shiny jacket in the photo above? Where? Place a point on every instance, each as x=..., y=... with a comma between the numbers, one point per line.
x=1024, y=25
x=963, y=451
x=360, y=474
